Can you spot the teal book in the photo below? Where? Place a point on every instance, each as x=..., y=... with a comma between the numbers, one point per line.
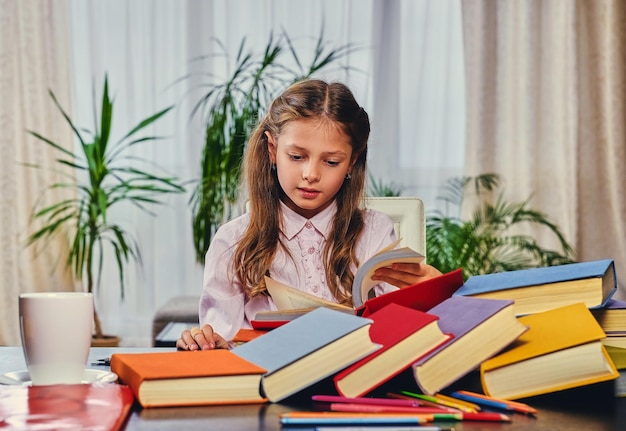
x=308, y=349
x=540, y=289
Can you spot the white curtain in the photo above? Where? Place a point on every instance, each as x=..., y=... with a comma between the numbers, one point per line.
x=550, y=118
x=418, y=121
x=34, y=57
x=407, y=73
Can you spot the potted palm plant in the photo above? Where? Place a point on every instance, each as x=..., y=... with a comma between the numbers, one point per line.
x=104, y=175
x=487, y=241
x=231, y=109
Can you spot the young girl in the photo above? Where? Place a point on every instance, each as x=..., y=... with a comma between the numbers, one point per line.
x=305, y=168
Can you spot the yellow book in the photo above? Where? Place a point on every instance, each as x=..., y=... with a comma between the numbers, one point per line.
x=562, y=349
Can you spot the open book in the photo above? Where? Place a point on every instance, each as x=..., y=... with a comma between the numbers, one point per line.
x=292, y=303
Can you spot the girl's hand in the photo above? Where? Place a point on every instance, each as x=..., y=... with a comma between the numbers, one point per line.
x=201, y=339
x=405, y=274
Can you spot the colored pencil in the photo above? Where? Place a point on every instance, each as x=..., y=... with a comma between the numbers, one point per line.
x=494, y=402
x=381, y=428
x=476, y=416
x=345, y=418
x=430, y=413
x=371, y=408
x=423, y=402
x=473, y=406
x=440, y=401
x=367, y=400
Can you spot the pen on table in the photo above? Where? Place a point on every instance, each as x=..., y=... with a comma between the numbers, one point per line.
x=383, y=428
x=102, y=361
x=458, y=406
x=472, y=406
x=521, y=406
x=426, y=413
x=366, y=400
x=494, y=402
x=372, y=408
x=337, y=418
x=423, y=402
x=475, y=416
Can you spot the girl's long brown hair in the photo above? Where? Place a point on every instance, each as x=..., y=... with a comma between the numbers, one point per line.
x=308, y=99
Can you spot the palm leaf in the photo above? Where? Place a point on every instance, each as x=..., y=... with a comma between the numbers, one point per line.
x=113, y=178
x=488, y=240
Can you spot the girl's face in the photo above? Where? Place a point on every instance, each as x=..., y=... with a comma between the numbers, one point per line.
x=312, y=160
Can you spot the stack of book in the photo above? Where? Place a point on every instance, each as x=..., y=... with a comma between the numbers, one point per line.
x=567, y=309
x=524, y=332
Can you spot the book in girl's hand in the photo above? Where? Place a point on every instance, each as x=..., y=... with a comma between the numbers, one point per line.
x=288, y=298
x=420, y=296
x=293, y=303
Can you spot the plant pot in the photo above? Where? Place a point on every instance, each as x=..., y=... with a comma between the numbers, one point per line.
x=105, y=341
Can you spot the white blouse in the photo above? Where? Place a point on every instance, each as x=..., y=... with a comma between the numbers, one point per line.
x=223, y=303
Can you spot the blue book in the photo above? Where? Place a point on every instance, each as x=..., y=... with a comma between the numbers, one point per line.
x=308, y=349
x=540, y=289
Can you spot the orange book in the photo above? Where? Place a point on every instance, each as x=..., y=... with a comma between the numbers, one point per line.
x=562, y=349
x=102, y=406
x=189, y=378
x=244, y=335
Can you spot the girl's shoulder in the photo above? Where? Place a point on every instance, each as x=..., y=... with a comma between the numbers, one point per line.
x=231, y=231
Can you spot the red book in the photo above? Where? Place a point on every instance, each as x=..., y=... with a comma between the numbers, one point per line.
x=420, y=296
x=102, y=406
x=405, y=334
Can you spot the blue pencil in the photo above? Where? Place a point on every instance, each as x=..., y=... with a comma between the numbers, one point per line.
x=347, y=420
x=494, y=403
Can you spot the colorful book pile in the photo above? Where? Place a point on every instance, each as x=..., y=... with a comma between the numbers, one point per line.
x=564, y=346
x=521, y=340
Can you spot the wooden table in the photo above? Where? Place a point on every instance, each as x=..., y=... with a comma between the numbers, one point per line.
x=589, y=408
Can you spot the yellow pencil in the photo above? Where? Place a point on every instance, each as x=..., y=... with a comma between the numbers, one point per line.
x=439, y=401
x=469, y=405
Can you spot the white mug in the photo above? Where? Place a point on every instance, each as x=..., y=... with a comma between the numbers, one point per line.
x=56, y=330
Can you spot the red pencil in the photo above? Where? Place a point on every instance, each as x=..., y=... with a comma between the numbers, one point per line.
x=370, y=408
x=477, y=416
x=367, y=400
